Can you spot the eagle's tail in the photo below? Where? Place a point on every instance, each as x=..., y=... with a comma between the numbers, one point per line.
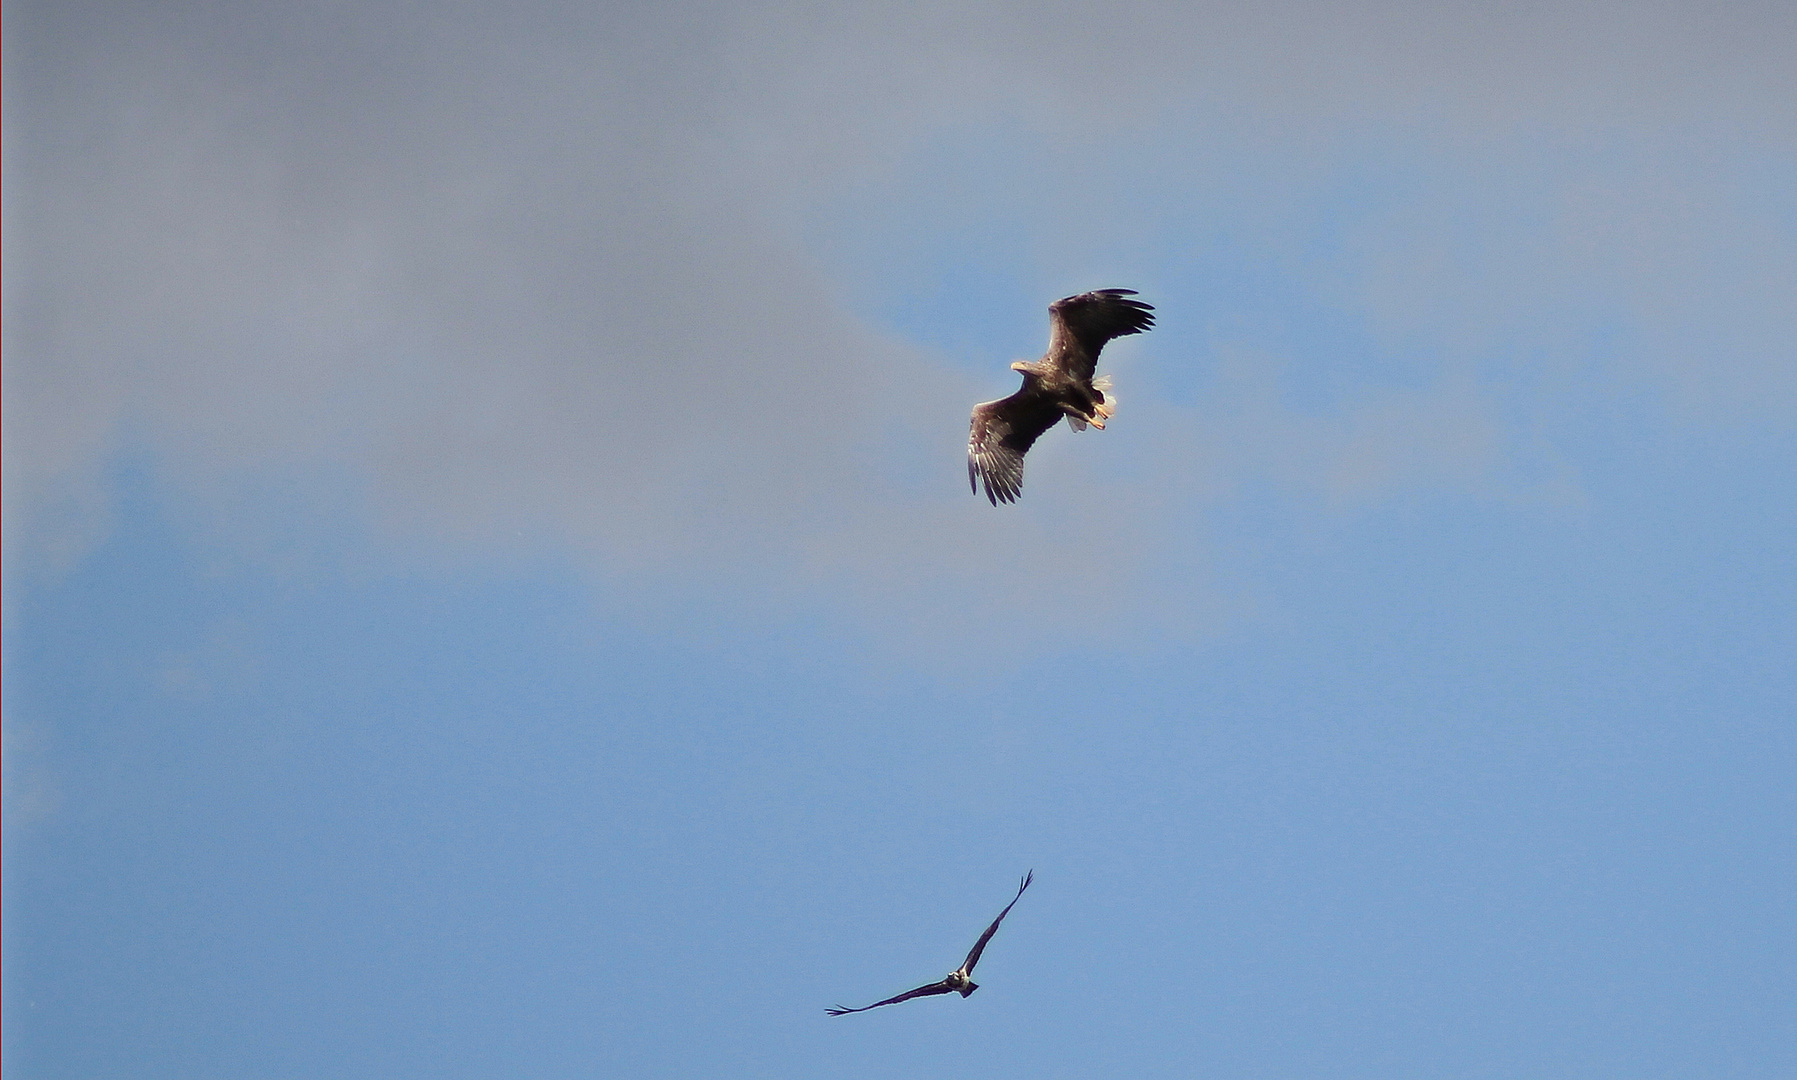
x=1108, y=406
x=1101, y=409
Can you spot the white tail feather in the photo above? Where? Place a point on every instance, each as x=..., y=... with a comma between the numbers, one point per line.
x=1108, y=406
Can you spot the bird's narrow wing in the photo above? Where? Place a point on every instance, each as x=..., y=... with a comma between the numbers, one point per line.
x=923, y=991
x=979, y=946
x=1000, y=434
x=1079, y=326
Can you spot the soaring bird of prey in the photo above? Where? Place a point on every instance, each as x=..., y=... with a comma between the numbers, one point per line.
x=1060, y=384
x=957, y=981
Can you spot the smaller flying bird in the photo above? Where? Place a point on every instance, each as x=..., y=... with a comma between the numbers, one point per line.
x=957, y=981
x=1060, y=384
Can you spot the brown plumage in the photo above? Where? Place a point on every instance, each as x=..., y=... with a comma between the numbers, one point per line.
x=1060, y=384
x=957, y=981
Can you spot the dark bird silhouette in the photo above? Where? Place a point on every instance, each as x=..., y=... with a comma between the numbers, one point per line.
x=957, y=981
x=1060, y=384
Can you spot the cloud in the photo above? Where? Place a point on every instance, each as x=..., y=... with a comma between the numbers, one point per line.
x=548, y=271
x=1667, y=261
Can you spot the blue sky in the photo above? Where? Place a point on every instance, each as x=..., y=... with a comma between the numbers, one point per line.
x=489, y=587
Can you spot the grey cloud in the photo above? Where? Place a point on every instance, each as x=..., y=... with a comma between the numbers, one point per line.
x=540, y=268
x=1675, y=250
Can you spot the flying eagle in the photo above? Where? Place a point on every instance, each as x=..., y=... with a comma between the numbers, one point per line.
x=1059, y=384
x=957, y=981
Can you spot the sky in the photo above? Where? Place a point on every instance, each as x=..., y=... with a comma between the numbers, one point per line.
x=489, y=587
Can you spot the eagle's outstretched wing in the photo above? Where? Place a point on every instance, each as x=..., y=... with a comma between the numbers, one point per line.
x=1079, y=326
x=1001, y=433
x=973, y=956
x=923, y=991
